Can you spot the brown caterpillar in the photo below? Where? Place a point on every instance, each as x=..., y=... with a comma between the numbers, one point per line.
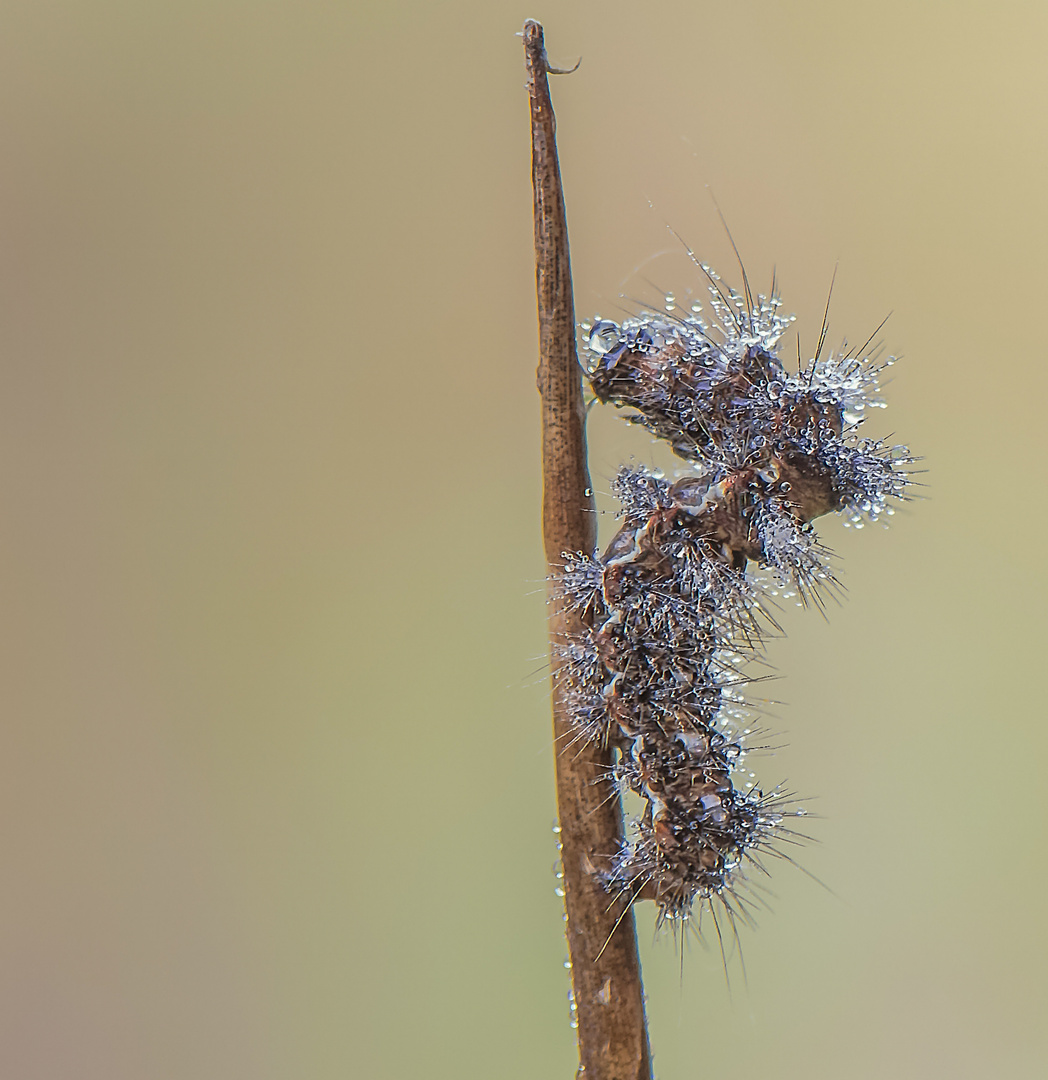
x=668, y=611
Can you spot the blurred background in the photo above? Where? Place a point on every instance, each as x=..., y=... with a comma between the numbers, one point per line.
x=276, y=795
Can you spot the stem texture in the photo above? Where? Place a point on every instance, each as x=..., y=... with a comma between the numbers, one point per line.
x=602, y=940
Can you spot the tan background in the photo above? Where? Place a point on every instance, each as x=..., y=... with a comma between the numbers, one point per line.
x=275, y=771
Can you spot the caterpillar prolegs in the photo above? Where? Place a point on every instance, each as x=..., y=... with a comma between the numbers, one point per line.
x=668, y=613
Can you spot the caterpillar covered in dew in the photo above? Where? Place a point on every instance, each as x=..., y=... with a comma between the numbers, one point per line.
x=669, y=614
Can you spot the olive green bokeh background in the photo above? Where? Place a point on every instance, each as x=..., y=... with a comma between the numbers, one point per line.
x=276, y=768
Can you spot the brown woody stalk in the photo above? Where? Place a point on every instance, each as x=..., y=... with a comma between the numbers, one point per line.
x=602, y=939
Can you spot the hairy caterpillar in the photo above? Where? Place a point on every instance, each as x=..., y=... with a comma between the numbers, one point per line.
x=669, y=615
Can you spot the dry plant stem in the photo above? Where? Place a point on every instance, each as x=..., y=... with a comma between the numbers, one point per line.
x=602, y=940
